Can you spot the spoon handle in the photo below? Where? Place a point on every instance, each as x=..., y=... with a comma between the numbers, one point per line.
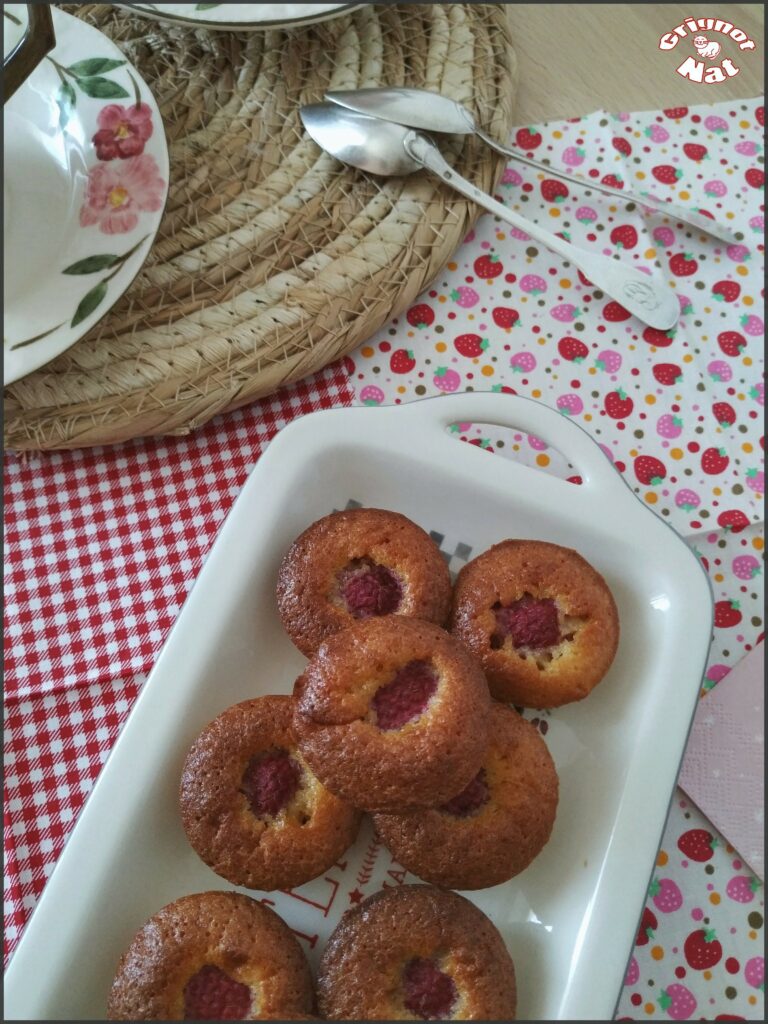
x=650, y=299
x=698, y=220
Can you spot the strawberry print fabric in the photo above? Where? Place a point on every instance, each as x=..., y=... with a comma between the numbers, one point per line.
x=103, y=545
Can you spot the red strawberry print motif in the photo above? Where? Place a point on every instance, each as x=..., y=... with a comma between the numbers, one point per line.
x=760, y=116
x=528, y=138
x=683, y=265
x=731, y=343
x=618, y=405
x=724, y=414
x=649, y=470
x=402, y=361
x=714, y=461
x=621, y=145
x=676, y=113
x=572, y=350
x=505, y=317
x=470, y=345
x=488, y=266
x=421, y=315
x=554, y=191
x=697, y=844
x=613, y=180
x=666, y=174
x=733, y=520
x=696, y=152
x=614, y=312
x=666, y=895
x=660, y=339
x=702, y=949
x=678, y=1002
x=648, y=925
x=667, y=373
x=755, y=177
x=624, y=236
x=726, y=291
x=727, y=614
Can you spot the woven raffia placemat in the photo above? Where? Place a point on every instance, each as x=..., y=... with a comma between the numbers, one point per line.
x=272, y=259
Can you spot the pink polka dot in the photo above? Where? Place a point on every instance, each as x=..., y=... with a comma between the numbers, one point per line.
x=737, y=864
x=697, y=914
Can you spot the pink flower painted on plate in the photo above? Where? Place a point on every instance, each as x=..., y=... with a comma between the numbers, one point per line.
x=116, y=193
x=123, y=131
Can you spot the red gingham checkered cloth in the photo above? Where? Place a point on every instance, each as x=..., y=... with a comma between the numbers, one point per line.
x=101, y=547
x=102, y=544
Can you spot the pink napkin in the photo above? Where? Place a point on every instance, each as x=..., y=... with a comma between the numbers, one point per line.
x=724, y=764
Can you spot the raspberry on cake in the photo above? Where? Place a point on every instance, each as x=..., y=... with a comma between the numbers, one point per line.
x=359, y=564
x=494, y=828
x=392, y=714
x=416, y=953
x=212, y=956
x=252, y=808
x=540, y=619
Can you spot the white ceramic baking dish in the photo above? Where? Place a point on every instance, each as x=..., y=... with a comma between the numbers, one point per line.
x=569, y=920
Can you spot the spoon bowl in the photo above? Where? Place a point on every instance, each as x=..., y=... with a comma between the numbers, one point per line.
x=361, y=141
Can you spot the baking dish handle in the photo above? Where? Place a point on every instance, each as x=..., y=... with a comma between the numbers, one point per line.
x=525, y=414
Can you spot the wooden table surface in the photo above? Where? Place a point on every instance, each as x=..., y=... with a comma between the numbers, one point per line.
x=576, y=58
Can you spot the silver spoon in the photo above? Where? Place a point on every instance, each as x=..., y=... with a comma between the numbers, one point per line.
x=383, y=147
x=433, y=112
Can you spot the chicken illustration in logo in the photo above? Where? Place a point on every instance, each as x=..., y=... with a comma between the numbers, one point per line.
x=707, y=48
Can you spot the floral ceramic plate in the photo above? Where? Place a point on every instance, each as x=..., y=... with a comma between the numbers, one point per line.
x=86, y=179
x=242, y=16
